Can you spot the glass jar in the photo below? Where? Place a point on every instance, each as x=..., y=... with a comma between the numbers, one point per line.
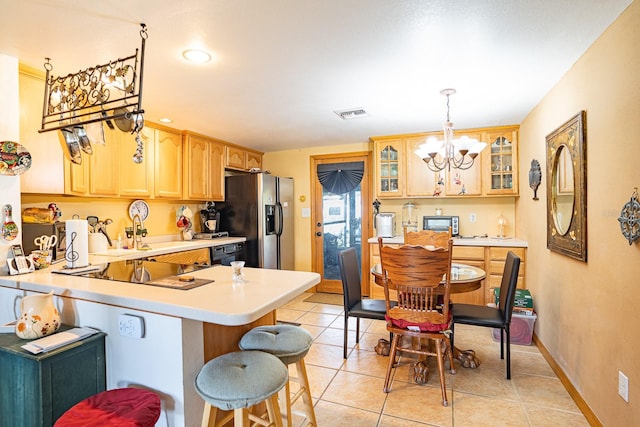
x=410, y=216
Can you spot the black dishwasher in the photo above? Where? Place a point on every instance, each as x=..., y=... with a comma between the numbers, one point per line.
x=224, y=254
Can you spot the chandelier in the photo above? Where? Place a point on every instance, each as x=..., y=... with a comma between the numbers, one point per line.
x=457, y=153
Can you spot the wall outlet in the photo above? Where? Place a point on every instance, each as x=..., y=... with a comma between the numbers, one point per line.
x=623, y=386
x=472, y=217
x=131, y=326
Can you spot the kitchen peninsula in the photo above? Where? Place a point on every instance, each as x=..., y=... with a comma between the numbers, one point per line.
x=182, y=328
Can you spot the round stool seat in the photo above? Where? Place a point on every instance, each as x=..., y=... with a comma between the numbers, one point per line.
x=122, y=407
x=288, y=343
x=240, y=379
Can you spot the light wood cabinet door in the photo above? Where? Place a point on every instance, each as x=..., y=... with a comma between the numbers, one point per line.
x=254, y=160
x=389, y=167
x=501, y=156
x=168, y=165
x=216, y=171
x=46, y=148
x=421, y=181
x=466, y=182
x=103, y=165
x=235, y=158
x=76, y=177
x=136, y=179
x=196, y=167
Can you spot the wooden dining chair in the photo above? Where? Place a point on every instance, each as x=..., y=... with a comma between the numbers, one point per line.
x=416, y=272
x=494, y=317
x=354, y=305
x=438, y=239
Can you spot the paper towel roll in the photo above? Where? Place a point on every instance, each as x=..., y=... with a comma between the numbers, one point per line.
x=77, y=251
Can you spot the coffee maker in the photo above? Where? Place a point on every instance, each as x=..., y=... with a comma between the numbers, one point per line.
x=210, y=219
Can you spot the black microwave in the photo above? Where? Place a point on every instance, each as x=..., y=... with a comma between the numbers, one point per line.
x=442, y=223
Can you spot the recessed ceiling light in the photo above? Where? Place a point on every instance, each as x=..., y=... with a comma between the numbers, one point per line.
x=166, y=120
x=196, y=56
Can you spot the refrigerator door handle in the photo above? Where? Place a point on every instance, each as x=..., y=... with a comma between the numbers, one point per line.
x=279, y=219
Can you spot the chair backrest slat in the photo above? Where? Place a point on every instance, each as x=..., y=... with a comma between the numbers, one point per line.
x=439, y=239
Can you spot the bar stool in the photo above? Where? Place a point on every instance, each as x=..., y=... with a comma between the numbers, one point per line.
x=236, y=381
x=123, y=407
x=290, y=344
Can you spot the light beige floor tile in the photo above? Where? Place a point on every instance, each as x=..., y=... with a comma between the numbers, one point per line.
x=315, y=331
x=544, y=391
x=546, y=417
x=289, y=315
x=328, y=356
x=357, y=390
x=330, y=414
x=328, y=308
x=319, y=378
x=317, y=319
x=484, y=381
x=530, y=363
x=478, y=411
x=366, y=362
x=419, y=403
x=389, y=421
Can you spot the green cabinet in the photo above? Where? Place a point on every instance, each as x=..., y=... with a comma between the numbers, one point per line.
x=36, y=389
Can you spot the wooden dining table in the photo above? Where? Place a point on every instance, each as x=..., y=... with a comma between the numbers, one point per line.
x=464, y=278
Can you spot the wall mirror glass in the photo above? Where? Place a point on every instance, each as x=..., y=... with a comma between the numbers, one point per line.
x=567, y=189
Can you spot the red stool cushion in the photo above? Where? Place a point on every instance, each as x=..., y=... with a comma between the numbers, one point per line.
x=122, y=407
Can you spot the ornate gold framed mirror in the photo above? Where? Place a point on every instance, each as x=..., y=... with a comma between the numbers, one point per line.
x=567, y=189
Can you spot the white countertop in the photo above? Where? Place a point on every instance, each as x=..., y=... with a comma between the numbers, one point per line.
x=221, y=301
x=457, y=241
x=161, y=248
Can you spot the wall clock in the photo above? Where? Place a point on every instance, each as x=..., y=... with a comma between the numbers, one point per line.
x=139, y=207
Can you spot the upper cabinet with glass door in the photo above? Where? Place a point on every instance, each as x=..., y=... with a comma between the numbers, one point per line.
x=389, y=161
x=502, y=161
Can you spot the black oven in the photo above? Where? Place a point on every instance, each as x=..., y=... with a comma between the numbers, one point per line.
x=224, y=254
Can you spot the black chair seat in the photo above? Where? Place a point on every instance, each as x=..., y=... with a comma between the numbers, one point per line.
x=370, y=309
x=477, y=315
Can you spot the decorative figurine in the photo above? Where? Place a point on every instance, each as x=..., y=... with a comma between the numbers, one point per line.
x=535, y=176
x=630, y=218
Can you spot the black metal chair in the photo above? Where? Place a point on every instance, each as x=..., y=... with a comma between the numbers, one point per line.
x=354, y=305
x=490, y=317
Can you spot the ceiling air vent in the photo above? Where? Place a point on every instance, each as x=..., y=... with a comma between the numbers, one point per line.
x=352, y=114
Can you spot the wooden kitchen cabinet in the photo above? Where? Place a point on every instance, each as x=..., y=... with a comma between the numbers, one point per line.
x=501, y=156
x=46, y=150
x=389, y=153
x=97, y=175
x=242, y=159
x=400, y=173
x=37, y=389
x=496, y=260
x=136, y=179
x=203, y=168
x=168, y=164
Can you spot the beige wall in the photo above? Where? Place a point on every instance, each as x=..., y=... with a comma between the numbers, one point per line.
x=588, y=312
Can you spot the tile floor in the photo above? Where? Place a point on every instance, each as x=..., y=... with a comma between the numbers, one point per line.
x=349, y=392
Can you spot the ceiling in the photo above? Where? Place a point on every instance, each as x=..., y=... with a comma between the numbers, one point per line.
x=282, y=67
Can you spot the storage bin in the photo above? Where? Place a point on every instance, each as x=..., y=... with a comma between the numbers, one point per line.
x=521, y=329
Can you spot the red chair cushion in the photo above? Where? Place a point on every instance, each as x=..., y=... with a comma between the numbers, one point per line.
x=123, y=407
x=424, y=326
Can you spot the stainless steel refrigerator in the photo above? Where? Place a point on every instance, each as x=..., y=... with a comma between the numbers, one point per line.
x=260, y=207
